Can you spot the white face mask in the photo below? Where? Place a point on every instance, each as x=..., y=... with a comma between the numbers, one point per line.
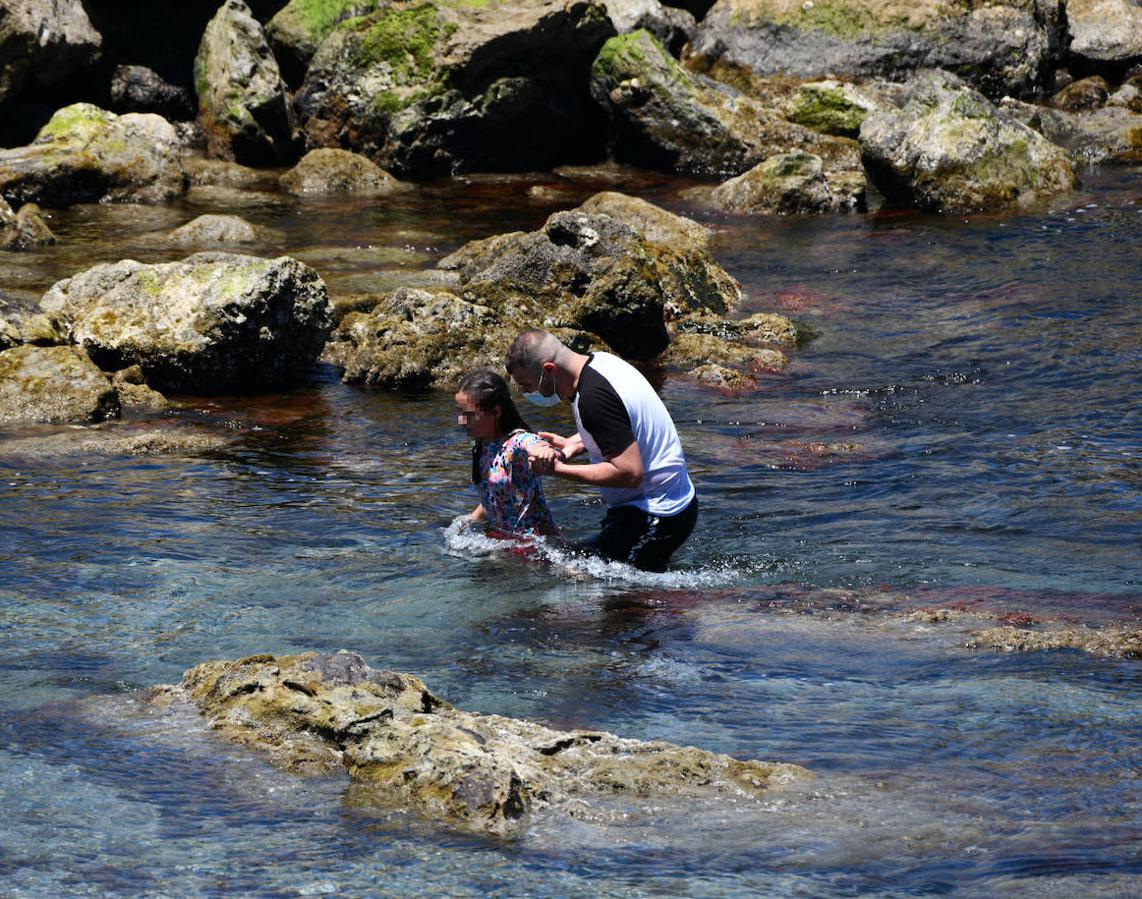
x=538, y=398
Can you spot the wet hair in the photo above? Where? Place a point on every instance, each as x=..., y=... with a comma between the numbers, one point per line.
x=487, y=390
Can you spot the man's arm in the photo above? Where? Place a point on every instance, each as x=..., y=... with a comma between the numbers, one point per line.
x=623, y=470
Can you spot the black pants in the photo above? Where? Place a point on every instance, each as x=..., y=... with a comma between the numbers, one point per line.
x=646, y=541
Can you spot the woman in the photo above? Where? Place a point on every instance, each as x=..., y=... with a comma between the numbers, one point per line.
x=511, y=495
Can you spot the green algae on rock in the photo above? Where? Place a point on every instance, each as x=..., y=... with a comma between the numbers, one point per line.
x=786, y=183
x=86, y=154
x=949, y=149
x=213, y=322
x=242, y=101
x=406, y=747
x=328, y=170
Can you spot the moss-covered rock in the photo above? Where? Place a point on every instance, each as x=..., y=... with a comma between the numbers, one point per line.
x=949, y=149
x=428, y=88
x=404, y=746
x=86, y=154
x=54, y=384
x=297, y=30
x=212, y=323
x=242, y=103
x=790, y=183
x=664, y=117
x=210, y=229
x=834, y=107
x=1002, y=47
x=327, y=171
x=1084, y=94
x=1110, y=134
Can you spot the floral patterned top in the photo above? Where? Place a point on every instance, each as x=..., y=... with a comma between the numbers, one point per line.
x=511, y=495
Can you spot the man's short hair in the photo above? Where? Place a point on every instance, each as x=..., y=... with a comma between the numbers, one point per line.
x=530, y=350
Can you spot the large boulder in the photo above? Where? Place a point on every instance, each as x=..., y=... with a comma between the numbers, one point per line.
x=949, y=149
x=139, y=89
x=297, y=30
x=53, y=384
x=242, y=102
x=214, y=322
x=667, y=118
x=43, y=42
x=594, y=273
x=1001, y=47
x=434, y=87
x=405, y=746
x=1105, y=31
x=787, y=183
x=86, y=154
x=332, y=171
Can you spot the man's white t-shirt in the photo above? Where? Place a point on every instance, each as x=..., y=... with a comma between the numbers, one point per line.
x=615, y=405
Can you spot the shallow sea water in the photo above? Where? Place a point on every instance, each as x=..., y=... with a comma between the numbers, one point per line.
x=964, y=431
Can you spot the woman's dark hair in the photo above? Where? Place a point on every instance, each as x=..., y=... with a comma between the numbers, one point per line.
x=487, y=390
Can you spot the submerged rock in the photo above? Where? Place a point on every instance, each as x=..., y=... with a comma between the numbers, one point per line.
x=435, y=87
x=411, y=749
x=1001, y=47
x=53, y=384
x=242, y=101
x=328, y=171
x=214, y=322
x=25, y=229
x=86, y=154
x=1116, y=642
x=949, y=149
x=42, y=42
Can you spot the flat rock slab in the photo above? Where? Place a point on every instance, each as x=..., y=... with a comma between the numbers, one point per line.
x=409, y=748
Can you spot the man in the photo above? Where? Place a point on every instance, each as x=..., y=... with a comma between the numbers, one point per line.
x=635, y=456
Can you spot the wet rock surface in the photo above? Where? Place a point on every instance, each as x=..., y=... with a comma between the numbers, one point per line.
x=788, y=183
x=407, y=747
x=213, y=322
x=213, y=229
x=949, y=149
x=86, y=154
x=53, y=384
x=332, y=171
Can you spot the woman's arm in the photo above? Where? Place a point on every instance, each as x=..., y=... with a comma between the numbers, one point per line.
x=624, y=470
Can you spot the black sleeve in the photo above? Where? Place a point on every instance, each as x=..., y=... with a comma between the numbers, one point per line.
x=603, y=414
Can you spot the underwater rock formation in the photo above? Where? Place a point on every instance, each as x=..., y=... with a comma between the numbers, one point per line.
x=406, y=747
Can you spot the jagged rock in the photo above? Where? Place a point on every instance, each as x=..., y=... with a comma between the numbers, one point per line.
x=592, y=273
x=242, y=101
x=20, y=324
x=835, y=107
x=671, y=27
x=949, y=149
x=213, y=229
x=1086, y=93
x=53, y=384
x=297, y=30
x=1105, y=31
x=86, y=154
x=339, y=171
x=1110, y=134
x=408, y=747
x=432, y=88
x=43, y=42
x=416, y=338
x=139, y=89
x=1002, y=47
x=652, y=222
x=720, y=377
x=210, y=323
x=666, y=118
x=689, y=351
x=790, y=183
x=761, y=327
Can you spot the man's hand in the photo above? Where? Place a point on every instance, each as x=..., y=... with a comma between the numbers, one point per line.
x=542, y=458
x=569, y=447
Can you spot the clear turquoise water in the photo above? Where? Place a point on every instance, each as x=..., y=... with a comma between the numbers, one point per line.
x=977, y=381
